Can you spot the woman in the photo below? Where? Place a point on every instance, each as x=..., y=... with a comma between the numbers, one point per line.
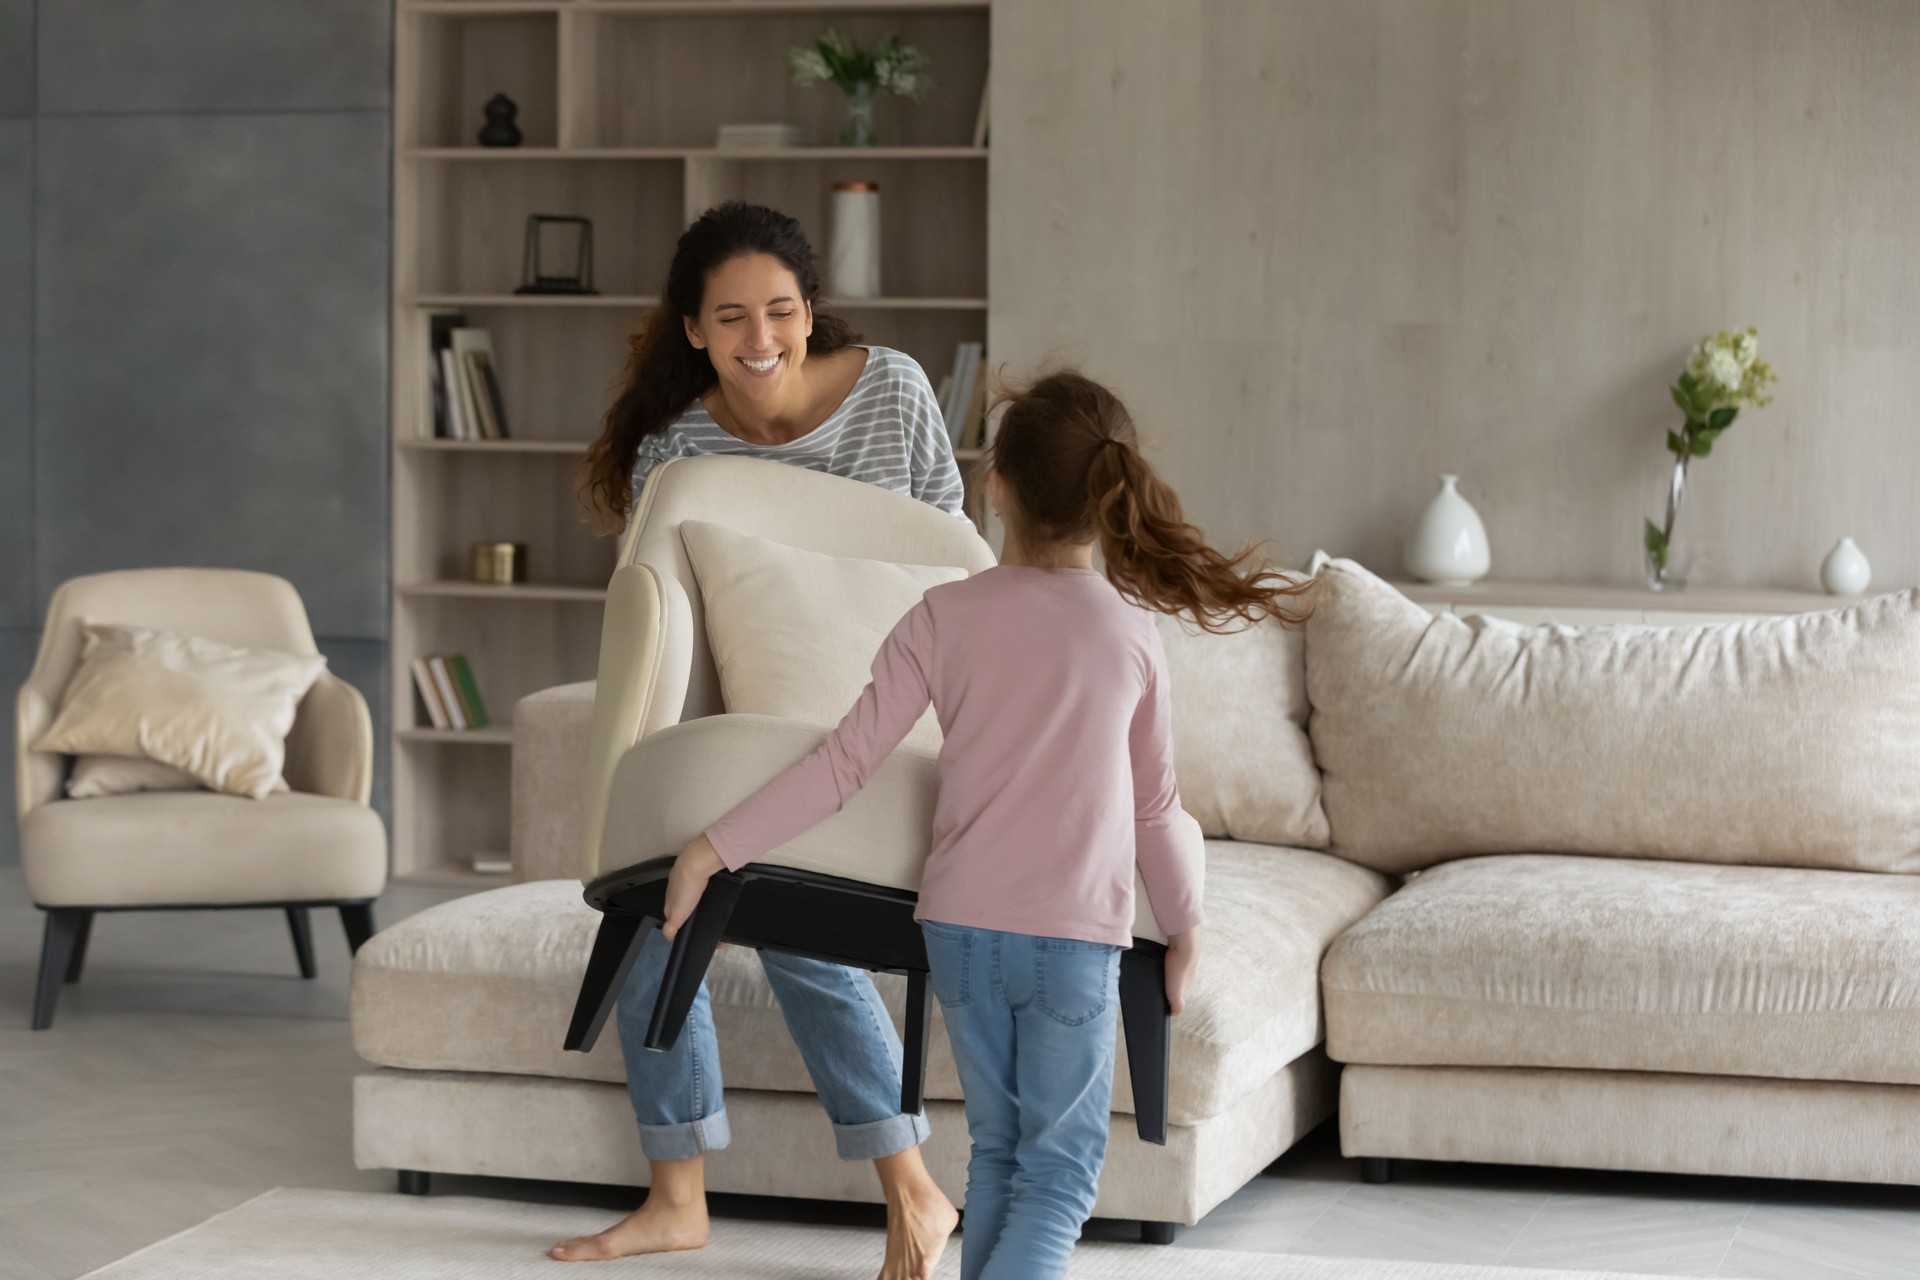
x=735, y=360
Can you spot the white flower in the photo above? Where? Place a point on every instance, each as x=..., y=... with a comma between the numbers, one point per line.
x=1747, y=349
x=1724, y=367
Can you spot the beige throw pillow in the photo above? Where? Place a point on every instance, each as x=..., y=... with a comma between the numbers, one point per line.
x=1240, y=746
x=1788, y=741
x=216, y=712
x=95, y=776
x=794, y=632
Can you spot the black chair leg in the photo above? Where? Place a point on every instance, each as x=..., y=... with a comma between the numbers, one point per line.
x=913, y=1043
x=1376, y=1169
x=1148, y=1022
x=357, y=919
x=615, y=946
x=302, y=940
x=687, y=963
x=80, y=937
x=56, y=956
x=413, y=1182
x=1156, y=1232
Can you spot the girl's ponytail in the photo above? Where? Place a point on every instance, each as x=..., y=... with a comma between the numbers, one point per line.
x=1068, y=449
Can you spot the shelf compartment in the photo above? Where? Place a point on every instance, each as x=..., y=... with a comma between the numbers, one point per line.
x=647, y=81
x=473, y=223
x=470, y=54
x=452, y=802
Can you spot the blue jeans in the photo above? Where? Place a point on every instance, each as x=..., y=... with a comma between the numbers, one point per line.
x=834, y=1015
x=1032, y=1022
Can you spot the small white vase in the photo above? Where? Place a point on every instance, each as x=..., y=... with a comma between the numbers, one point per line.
x=1448, y=544
x=853, y=254
x=1845, y=571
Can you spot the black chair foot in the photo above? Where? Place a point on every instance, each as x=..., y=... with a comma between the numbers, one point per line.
x=1147, y=1020
x=1156, y=1233
x=57, y=947
x=79, y=960
x=615, y=947
x=357, y=919
x=687, y=963
x=413, y=1182
x=302, y=940
x=913, y=1044
x=1376, y=1169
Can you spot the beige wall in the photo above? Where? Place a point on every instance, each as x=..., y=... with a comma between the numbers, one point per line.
x=1327, y=249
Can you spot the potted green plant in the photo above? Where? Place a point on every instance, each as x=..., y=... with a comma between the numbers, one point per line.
x=888, y=66
x=1723, y=373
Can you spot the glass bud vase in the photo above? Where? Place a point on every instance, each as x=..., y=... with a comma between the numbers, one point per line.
x=858, y=130
x=1666, y=568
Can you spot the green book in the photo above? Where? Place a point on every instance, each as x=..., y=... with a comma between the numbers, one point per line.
x=469, y=691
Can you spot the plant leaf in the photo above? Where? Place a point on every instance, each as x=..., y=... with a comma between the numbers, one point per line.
x=1703, y=446
x=1674, y=444
x=1656, y=545
x=1721, y=419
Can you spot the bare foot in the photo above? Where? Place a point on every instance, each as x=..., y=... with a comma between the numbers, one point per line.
x=655, y=1227
x=919, y=1223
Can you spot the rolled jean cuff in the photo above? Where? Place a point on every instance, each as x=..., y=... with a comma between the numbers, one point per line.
x=685, y=1141
x=887, y=1137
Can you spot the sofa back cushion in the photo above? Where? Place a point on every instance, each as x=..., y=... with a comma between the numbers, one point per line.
x=794, y=632
x=1240, y=749
x=1789, y=741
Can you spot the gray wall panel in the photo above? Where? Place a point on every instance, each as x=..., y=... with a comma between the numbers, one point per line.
x=16, y=58
x=211, y=351
x=214, y=55
x=16, y=366
x=17, y=648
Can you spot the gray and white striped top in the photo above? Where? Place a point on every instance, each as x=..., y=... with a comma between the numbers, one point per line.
x=888, y=431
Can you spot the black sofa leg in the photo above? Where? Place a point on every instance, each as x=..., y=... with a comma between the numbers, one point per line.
x=78, y=961
x=1147, y=1021
x=615, y=946
x=687, y=963
x=357, y=919
x=302, y=940
x=56, y=956
x=1376, y=1169
x=413, y=1182
x=1156, y=1233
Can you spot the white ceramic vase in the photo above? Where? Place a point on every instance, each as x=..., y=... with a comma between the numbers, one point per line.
x=853, y=255
x=1845, y=571
x=1448, y=544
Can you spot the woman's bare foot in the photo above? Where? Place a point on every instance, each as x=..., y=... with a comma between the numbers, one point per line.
x=920, y=1218
x=673, y=1217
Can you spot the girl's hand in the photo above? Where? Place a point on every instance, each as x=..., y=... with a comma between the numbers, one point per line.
x=1183, y=956
x=688, y=880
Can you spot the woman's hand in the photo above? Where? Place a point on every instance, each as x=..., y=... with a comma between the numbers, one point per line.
x=688, y=880
x=1183, y=955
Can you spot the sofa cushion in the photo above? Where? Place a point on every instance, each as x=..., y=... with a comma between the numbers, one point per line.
x=794, y=632
x=1614, y=964
x=487, y=983
x=1792, y=741
x=177, y=847
x=1240, y=748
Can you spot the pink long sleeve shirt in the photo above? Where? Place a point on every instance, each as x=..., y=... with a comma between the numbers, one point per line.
x=1056, y=769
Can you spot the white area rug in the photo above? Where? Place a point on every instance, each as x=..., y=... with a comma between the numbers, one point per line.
x=326, y=1235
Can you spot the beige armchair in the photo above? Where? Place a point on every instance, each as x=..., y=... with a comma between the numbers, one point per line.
x=319, y=844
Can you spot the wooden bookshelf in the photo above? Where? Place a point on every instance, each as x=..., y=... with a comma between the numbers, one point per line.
x=620, y=102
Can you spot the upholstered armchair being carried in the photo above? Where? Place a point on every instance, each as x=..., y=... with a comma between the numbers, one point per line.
x=666, y=760
x=316, y=844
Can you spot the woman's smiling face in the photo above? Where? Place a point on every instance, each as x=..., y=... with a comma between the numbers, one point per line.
x=753, y=325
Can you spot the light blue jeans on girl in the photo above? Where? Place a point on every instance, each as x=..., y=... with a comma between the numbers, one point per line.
x=1032, y=1022
x=834, y=1015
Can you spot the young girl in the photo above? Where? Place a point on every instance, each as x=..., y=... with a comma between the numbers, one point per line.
x=1056, y=780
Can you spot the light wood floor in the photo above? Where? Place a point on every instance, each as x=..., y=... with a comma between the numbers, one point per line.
x=192, y=1069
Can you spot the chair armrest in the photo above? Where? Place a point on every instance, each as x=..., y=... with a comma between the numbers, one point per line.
x=646, y=660
x=551, y=732
x=39, y=775
x=330, y=747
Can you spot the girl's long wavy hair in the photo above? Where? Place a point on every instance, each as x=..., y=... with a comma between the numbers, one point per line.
x=665, y=372
x=1068, y=451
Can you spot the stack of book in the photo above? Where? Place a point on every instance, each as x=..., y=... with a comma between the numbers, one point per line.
x=467, y=404
x=963, y=396
x=449, y=692
x=757, y=137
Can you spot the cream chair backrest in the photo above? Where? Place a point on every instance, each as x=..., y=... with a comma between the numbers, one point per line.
x=234, y=606
x=655, y=667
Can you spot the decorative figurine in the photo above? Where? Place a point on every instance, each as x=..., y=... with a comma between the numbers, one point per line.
x=500, y=130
